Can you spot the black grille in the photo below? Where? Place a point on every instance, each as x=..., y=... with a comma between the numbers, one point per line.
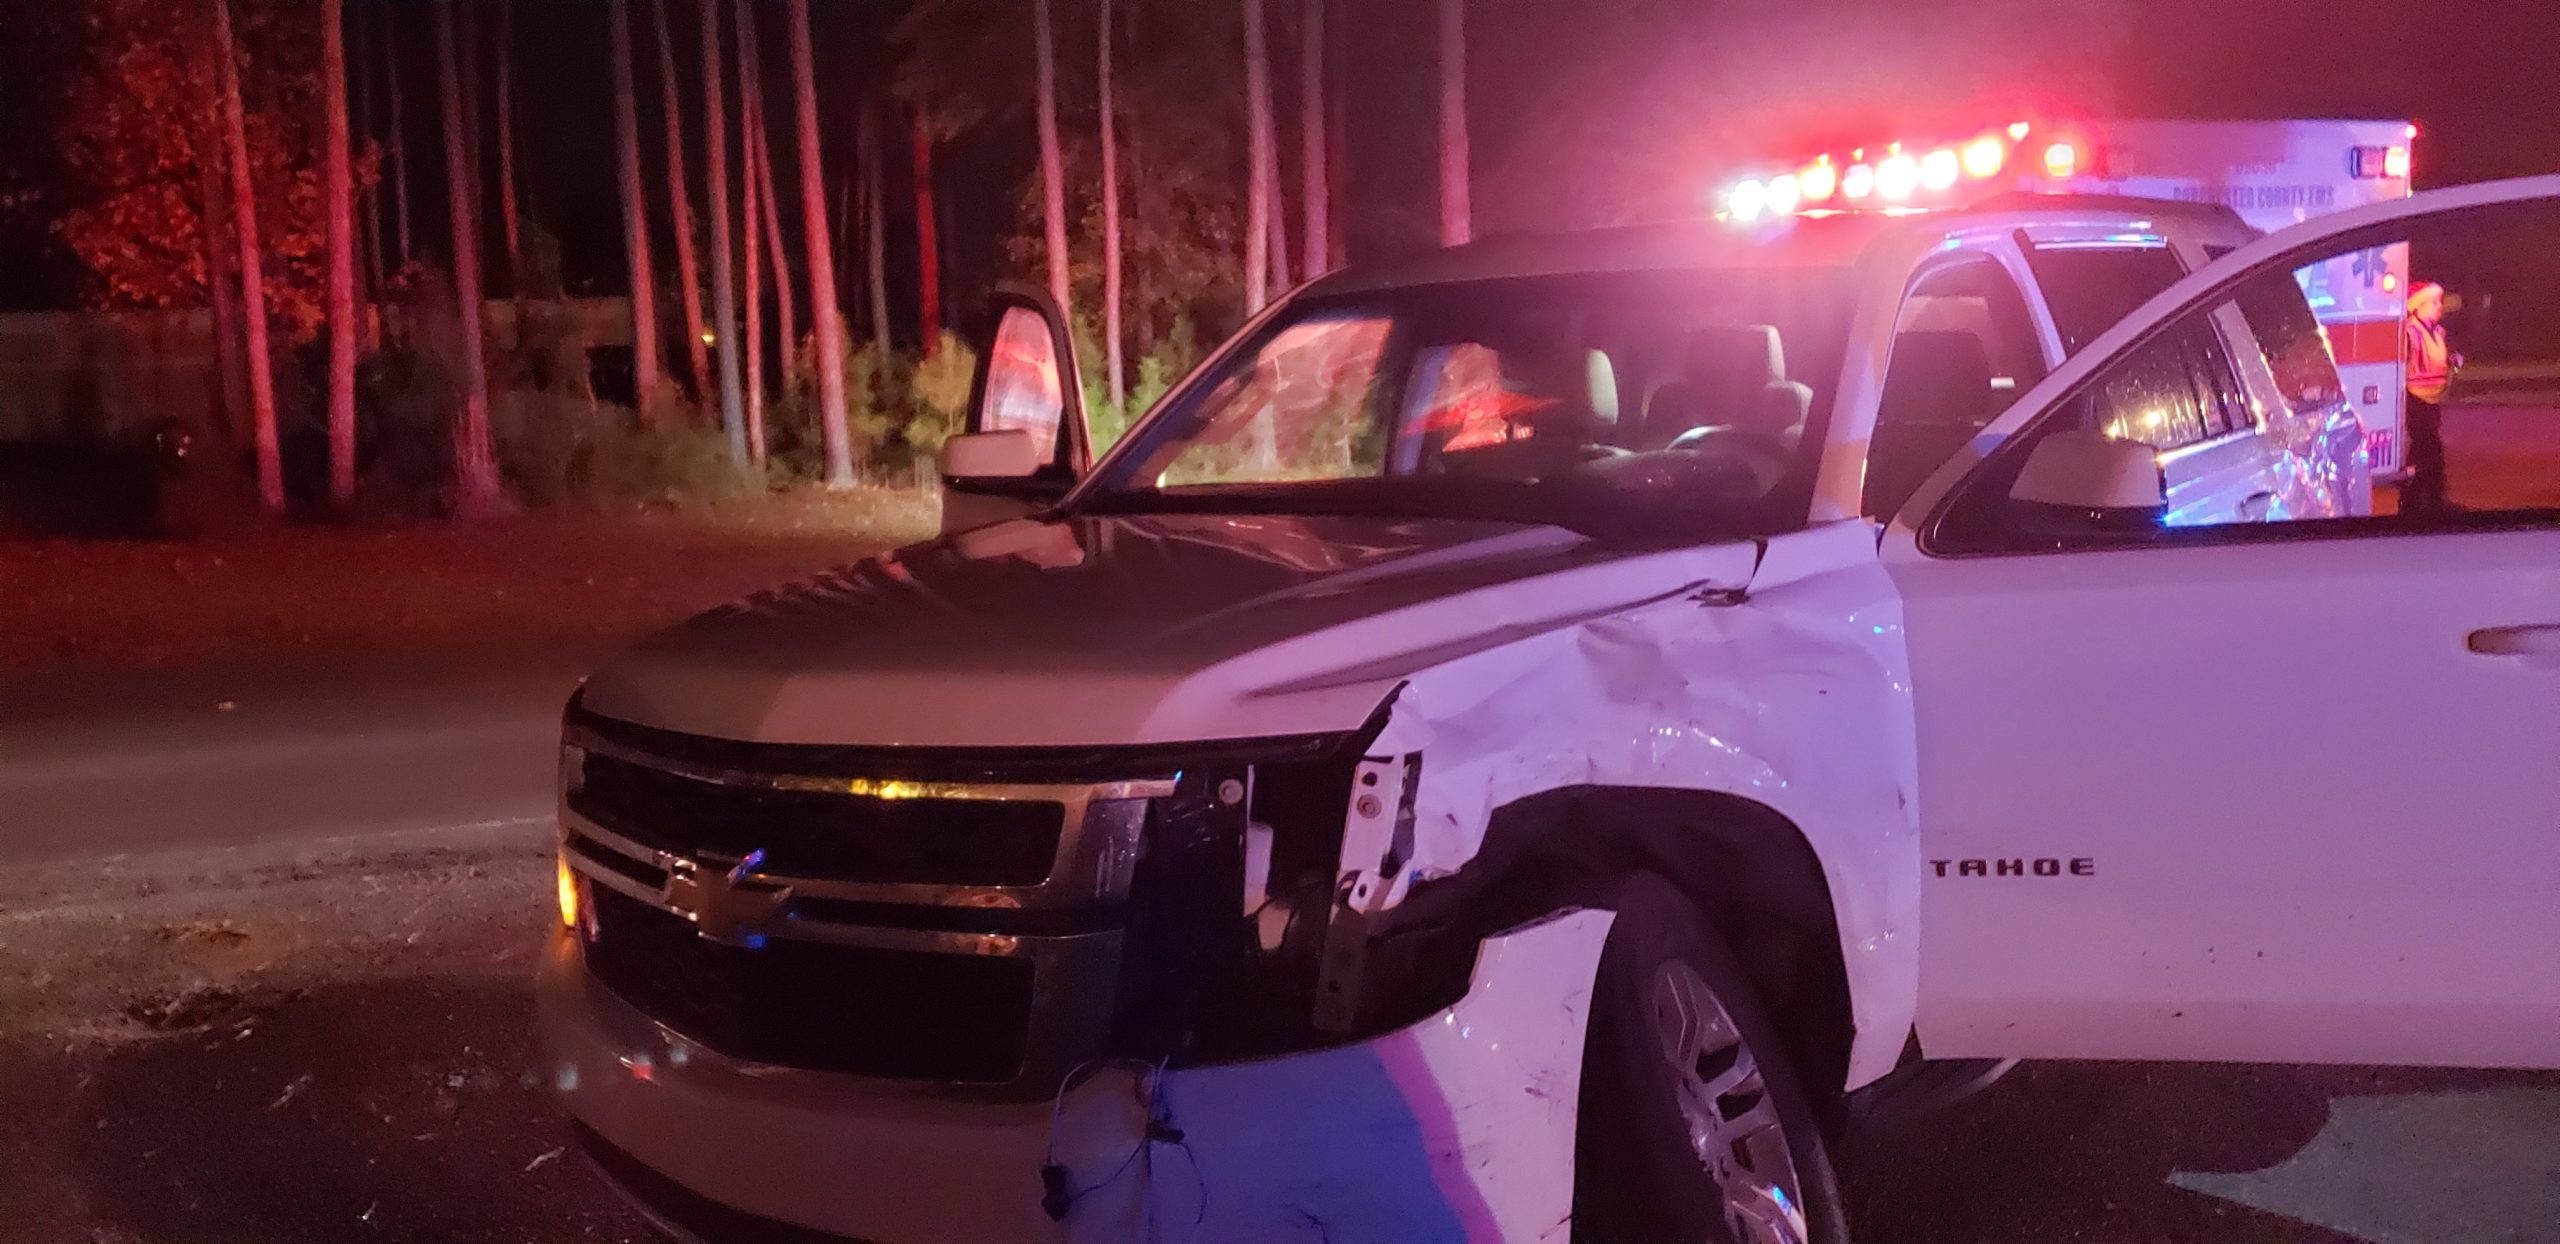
x=822, y=834
x=1100, y=763
x=961, y=1018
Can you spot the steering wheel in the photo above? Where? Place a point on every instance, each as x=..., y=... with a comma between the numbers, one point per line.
x=1764, y=457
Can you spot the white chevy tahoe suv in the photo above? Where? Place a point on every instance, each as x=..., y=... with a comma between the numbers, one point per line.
x=1525, y=744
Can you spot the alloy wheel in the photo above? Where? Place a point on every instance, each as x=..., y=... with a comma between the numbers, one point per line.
x=1733, y=1125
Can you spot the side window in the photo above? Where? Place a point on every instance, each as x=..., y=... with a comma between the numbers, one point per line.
x=2154, y=396
x=2290, y=341
x=2089, y=287
x=2117, y=462
x=1963, y=350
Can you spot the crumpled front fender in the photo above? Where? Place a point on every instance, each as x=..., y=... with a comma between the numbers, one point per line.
x=1795, y=696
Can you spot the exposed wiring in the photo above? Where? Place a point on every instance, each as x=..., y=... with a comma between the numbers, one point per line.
x=1200, y=1183
x=1058, y=1197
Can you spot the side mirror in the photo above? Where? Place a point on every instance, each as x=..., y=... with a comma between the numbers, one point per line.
x=1025, y=444
x=1006, y=454
x=2084, y=480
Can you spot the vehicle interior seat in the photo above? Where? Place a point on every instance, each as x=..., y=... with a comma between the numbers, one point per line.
x=1937, y=398
x=1568, y=401
x=1731, y=375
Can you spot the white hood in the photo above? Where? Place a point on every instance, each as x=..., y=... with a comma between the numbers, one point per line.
x=1151, y=629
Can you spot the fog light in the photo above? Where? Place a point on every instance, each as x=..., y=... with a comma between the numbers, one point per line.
x=569, y=896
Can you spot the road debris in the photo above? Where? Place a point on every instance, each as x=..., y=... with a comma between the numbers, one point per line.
x=291, y=1091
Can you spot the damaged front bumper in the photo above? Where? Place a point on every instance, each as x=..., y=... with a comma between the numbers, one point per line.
x=1457, y=1128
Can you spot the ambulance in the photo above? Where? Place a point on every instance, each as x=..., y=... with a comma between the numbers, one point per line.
x=2271, y=173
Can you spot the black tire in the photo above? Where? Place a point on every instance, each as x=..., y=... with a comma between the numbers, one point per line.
x=1637, y=1178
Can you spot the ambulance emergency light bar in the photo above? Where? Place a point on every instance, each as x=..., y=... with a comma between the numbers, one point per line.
x=1901, y=178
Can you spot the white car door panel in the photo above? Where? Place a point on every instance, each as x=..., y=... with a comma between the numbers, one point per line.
x=2220, y=784
x=2245, y=802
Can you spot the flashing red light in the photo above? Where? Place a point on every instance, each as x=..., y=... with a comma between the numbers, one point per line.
x=1746, y=201
x=1984, y=156
x=1897, y=177
x=1781, y=195
x=1938, y=169
x=1858, y=182
x=1818, y=181
x=2395, y=162
x=2018, y=131
x=2061, y=160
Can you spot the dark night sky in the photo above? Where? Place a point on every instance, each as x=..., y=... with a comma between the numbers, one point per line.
x=2475, y=72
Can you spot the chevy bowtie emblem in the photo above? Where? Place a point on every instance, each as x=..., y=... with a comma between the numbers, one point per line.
x=726, y=907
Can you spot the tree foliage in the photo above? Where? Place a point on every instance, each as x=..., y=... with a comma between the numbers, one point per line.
x=1182, y=181
x=134, y=125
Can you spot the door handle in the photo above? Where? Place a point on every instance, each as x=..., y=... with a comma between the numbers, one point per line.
x=2535, y=644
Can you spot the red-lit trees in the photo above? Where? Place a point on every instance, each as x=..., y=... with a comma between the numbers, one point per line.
x=826, y=323
x=715, y=178
x=253, y=290
x=342, y=258
x=645, y=370
x=476, y=490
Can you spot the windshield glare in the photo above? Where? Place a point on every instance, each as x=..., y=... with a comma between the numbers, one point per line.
x=1683, y=403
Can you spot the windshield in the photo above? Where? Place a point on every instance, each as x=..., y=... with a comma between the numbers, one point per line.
x=1651, y=403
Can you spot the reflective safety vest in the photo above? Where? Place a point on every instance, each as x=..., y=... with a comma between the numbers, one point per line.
x=2430, y=361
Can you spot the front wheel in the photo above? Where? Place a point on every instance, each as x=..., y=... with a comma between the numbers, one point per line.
x=1693, y=1127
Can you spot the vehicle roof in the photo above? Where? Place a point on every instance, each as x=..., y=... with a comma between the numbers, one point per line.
x=1814, y=241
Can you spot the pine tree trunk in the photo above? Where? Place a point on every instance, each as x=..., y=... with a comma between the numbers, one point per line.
x=825, y=322
x=1314, y=203
x=1338, y=175
x=342, y=259
x=222, y=259
x=843, y=253
x=1278, y=217
x=1257, y=214
x=1113, y=374
x=928, y=244
x=1456, y=224
x=751, y=205
x=875, y=223
x=467, y=31
x=253, y=290
x=645, y=369
x=680, y=210
x=785, y=324
x=724, y=292
x=368, y=199
x=1260, y=229
x=507, y=152
x=399, y=134
x=1053, y=186
x=476, y=492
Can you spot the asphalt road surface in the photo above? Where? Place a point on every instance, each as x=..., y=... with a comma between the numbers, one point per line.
x=266, y=938
x=102, y=764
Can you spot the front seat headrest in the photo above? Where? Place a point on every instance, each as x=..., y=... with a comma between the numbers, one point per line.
x=1936, y=376
x=1778, y=410
x=1744, y=355
x=1600, y=380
